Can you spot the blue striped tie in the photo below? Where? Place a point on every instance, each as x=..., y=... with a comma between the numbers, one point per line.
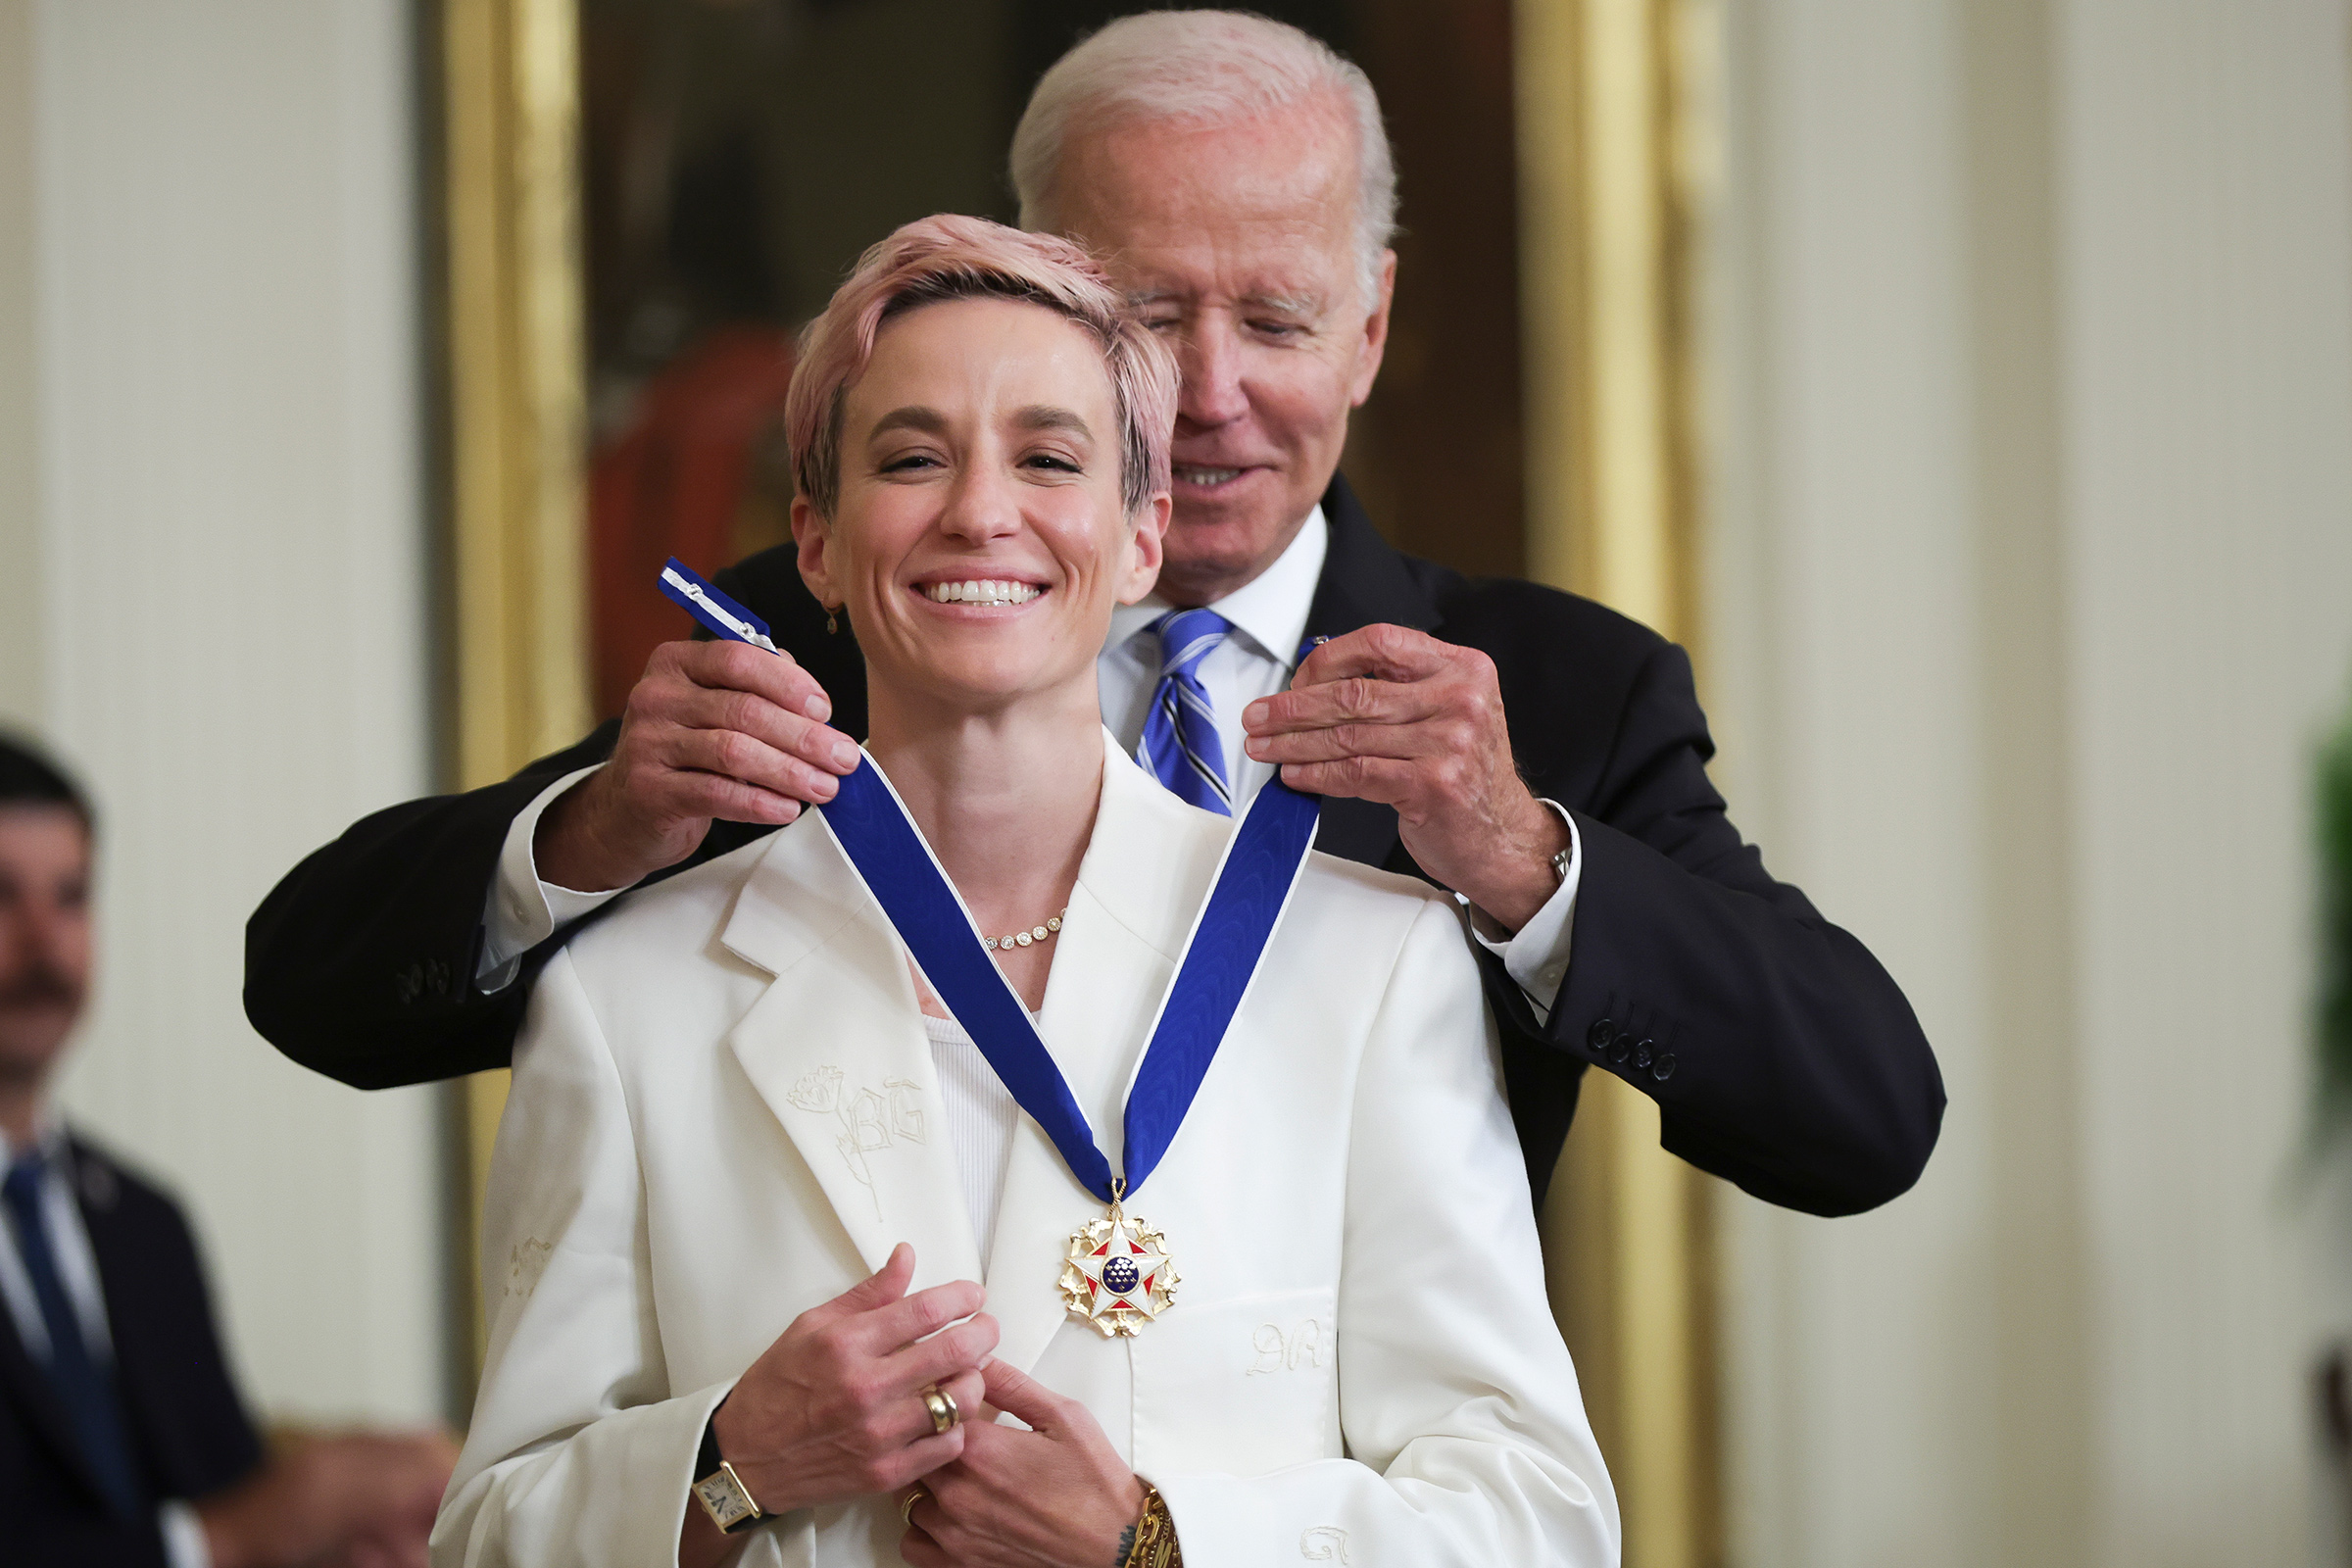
x=80, y=1380
x=1180, y=734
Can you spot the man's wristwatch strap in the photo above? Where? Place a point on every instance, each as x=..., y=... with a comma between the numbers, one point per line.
x=720, y=1490
x=1566, y=857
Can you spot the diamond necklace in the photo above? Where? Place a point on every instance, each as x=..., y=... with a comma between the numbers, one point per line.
x=1022, y=939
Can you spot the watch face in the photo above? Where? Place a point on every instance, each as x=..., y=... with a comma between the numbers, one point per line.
x=724, y=1498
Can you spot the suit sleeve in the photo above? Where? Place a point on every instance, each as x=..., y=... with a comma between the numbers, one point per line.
x=1783, y=1057
x=90, y=1544
x=1457, y=1399
x=577, y=1454
x=359, y=964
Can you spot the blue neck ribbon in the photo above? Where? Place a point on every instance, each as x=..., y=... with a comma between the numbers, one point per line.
x=1229, y=938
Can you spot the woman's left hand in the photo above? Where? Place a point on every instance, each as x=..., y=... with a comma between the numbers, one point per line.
x=1055, y=1497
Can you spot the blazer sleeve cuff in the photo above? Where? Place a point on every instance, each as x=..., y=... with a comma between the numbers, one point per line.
x=616, y=1492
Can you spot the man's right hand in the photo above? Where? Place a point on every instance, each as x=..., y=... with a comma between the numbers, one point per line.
x=712, y=730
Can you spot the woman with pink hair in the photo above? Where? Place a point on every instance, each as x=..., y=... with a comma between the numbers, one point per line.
x=806, y=1239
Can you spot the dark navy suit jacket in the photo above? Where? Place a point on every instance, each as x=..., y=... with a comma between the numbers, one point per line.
x=1782, y=1055
x=189, y=1430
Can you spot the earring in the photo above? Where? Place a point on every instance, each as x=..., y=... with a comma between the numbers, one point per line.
x=832, y=621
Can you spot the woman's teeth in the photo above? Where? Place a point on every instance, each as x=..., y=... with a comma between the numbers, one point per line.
x=1191, y=473
x=984, y=592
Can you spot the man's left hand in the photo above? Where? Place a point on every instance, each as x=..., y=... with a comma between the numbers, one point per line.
x=1391, y=714
x=1057, y=1495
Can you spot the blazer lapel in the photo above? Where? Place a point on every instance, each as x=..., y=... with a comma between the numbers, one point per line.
x=836, y=1047
x=1365, y=582
x=1146, y=870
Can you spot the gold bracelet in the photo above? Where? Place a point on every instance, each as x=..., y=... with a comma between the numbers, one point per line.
x=1154, y=1544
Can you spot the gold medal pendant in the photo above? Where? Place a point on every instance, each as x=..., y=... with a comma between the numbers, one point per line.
x=1117, y=1275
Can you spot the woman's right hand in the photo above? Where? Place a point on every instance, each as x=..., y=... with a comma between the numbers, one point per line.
x=834, y=1408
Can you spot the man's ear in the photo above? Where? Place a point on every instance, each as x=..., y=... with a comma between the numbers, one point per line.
x=1146, y=548
x=812, y=541
x=1376, y=333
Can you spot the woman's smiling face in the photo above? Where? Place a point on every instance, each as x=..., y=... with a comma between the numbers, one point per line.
x=979, y=542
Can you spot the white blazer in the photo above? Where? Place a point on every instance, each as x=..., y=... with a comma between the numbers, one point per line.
x=724, y=1113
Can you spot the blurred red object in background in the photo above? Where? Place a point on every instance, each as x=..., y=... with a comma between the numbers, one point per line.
x=676, y=479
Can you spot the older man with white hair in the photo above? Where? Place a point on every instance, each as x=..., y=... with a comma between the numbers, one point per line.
x=1535, y=753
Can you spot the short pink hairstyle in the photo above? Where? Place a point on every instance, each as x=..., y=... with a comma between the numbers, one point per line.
x=951, y=258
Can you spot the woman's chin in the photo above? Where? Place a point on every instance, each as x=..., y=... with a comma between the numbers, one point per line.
x=985, y=676
x=981, y=657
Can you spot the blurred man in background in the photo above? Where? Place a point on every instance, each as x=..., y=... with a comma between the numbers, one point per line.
x=122, y=1439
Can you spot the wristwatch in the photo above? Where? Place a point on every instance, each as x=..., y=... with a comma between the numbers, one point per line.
x=720, y=1490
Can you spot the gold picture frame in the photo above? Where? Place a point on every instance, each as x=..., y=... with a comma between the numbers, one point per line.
x=517, y=399
x=1614, y=154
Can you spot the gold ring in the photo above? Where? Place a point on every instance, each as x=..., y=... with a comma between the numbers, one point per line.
x=906, y=1508
x=943, y=1408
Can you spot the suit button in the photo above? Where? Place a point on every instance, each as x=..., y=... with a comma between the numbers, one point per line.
x=1641, y=1054
x=1601, y=1034
x=1620, y=1049
x=1663, y=1068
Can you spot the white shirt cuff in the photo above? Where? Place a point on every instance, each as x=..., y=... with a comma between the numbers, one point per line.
x=524, y=912
x=184, y=1542
x=1536, y=956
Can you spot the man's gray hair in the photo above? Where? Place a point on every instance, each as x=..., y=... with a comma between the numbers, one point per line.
x=1209, y=68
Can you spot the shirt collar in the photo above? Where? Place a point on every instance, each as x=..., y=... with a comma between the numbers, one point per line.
x=1270, y=609
x=48, y=1141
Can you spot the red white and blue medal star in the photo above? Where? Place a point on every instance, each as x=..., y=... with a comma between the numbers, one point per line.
x=1117, y=1275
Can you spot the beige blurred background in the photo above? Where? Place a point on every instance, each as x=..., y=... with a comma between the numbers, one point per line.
x=2021, y=577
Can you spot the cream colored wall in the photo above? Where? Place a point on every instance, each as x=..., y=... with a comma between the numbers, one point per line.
x=2207, y=396
x=228, y=554
x=2030, y=587
x=19, y=576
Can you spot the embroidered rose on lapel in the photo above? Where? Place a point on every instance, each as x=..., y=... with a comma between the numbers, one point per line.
x=817, y=1091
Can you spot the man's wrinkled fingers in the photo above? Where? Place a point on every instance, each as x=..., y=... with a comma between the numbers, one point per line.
x=1384, y=651
x=777, y=676
x=1398, y=742
x=1368, y=779
x=756, y=715
x=1349, y=700
x=727, y=799
x=732, y=754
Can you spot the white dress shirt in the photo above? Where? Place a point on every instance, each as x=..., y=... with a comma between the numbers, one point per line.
x=185, y=1544
x=1268, y=616
x=981, y=1116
